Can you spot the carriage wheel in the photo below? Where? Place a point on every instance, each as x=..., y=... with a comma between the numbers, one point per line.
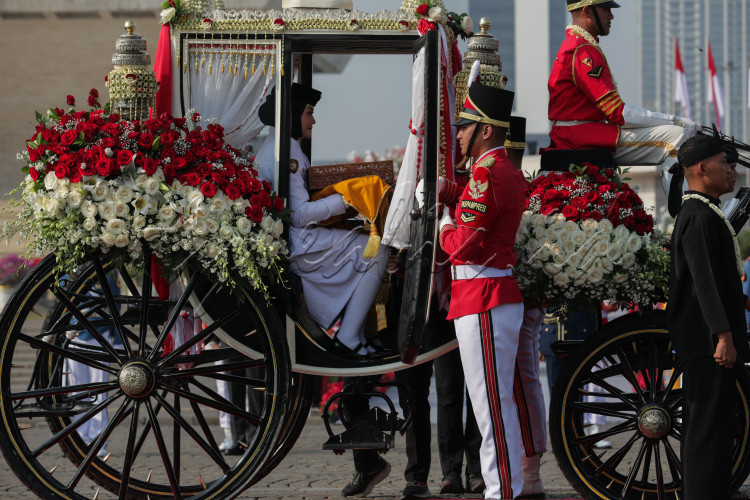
x=628, y=373
x=159, y=405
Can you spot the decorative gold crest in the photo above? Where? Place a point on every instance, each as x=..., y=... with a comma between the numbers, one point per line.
x=293, y=166
x=477, y=189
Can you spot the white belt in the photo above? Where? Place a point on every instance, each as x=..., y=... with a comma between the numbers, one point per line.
x=473, y=271
x=570, y=123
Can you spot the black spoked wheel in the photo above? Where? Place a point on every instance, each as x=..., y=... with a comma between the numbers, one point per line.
x=107, y=391
x=628, y=374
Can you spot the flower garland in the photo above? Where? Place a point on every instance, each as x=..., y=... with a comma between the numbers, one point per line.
x=717, y=210
x=96, y=182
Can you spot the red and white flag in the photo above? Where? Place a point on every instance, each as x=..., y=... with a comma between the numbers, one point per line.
x=715, y=95
x=680, y=83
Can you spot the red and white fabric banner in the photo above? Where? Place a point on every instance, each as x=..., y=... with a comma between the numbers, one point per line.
x=715, y=95
x=680, y=83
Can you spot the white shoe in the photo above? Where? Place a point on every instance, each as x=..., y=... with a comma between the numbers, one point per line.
x=532, y=481
x=599, y=445
x=228, y=442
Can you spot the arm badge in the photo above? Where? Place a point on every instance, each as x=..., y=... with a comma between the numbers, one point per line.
x=596, y=72
x=477, y=189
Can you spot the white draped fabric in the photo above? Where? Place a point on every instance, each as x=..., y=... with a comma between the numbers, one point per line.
x=228, y=96
x=398, y=223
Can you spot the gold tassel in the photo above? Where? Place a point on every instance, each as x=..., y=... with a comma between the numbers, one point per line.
x=373, y=243
x=246, y=72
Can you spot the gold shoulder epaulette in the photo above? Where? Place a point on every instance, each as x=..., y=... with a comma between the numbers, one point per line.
x=487, y=162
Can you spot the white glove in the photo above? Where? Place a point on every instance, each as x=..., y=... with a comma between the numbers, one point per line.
x=691, y=127
x=419, y=193
x=446, y=219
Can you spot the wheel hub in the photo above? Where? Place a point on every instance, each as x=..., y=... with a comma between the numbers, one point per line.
x=654, y=421
x=137, y=379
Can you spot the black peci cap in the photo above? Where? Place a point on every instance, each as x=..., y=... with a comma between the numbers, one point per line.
x=516, y=137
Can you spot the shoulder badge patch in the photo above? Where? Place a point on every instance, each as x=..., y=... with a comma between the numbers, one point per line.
x=596, y=72
x=474, y=205
x=477, y=189
x=588, y=62
x=293, y=166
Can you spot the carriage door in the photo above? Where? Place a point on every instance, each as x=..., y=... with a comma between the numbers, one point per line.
x=420, y=255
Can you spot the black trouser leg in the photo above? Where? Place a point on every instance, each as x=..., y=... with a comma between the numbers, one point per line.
x=473, y=439
x=354, y=406
x=417, y=381
x=709, y=420
x=449, y=384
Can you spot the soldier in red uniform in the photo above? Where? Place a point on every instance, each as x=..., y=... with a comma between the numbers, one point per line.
x=588, y=112
x=486, y=303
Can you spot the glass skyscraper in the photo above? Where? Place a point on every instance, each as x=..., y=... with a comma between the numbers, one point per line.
x=692, y=23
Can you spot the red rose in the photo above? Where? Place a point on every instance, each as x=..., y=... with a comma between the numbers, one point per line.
x=218, y=178
x=229, y=170
x=89, y=168
x=150, y=165
x=75, y=175
x=71, y=100
x=570, y=212
x=196, y=117
x=209, y=189
x=33, y=173
x=597, y=216
x=629, y=222
x=68, y=137
x=579, y=203
x=423, y=10
x=267, y=186
x=546, y=210
x=166, y=138
x=146, y=140
x=108, y=142
x=563, y=194
x=61, y=172
x=604, y=188
x=193, y=179
x=204, y=169
x=423, y=26
x=212, y=140
x=265, y=200
x=179, y=162
x=278, y=204
x=169, y=172
x=549, y=195
x=232, y=192
x=590, y=196
x=255, y=213
x=102, y=167
x=194, y=138
x=253, y=185
x=200, y=151
x=124, y=156
x=591, y=170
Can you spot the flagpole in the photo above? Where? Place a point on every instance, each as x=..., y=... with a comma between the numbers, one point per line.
x=674, y=86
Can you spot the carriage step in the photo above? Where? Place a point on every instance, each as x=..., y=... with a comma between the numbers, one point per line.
x=67, y=409
x=564, y=348
x=360, y=436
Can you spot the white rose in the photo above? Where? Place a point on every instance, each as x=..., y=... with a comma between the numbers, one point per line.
x=121, y=241
x=554, y=248
x=628, y=259
x=75, y=198
x=121, y=209
x=266, y=223
x=526, y=217
x=601, y=246
x=574, y=259
x=107, y=210
x=552, y=269
x=111, y=196
x=273, y=250
x=606, y=264
x=539, y=220
x=167, y=14
x=218, y=204
x=108, y=239
x=124, y=194
x=167, y=213
x=225, y=232
x=543, y=253
x=551, y=235
x=621, y=232
x=150, y=233
x=536, y=264
x=589, y=224
x=51, y=206
x=532, y=245
x=212, y=251
x=437, y=14
x=244, y=225
x=116, y=226
x=151, y=186
x=615, y=251
x=141, y=180
x=565, y=236
x=635, y=242
x=605, y=226
x=139, y=221
x=50, y=181
x=61, y=190
x=569, y=248
x=88, y=209
x=573, y=272
x=561, y=280
x=467, y=25
x=520, y=239
x=570, y=227
x=557, y=221
x=620, y=278
x=99, y=191
x=199, y=228
x=194, y=198
x=268, y=239
x=559, y=259
x=211, y=225
x=578, y=237
x=89, y=224
x=594, y=275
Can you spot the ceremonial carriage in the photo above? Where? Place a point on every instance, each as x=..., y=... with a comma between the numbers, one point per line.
x=158, y=390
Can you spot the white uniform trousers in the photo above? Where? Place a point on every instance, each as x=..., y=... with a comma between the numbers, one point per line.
x=488, y=343
x=655, y=145
x=527, y=389
x=79, y=374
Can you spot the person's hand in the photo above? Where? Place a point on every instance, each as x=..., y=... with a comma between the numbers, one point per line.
x=725, y=354
x=691, y=127
x=419, y=193
x=446, y=219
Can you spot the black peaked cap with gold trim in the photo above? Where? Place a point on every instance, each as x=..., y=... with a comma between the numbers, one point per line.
x=485, y=104
x=579, y=4
x=516, y=137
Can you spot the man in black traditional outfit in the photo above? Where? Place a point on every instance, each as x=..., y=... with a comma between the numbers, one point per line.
x=706, y=319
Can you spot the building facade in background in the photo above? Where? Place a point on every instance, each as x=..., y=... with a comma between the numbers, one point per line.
x=693, y=22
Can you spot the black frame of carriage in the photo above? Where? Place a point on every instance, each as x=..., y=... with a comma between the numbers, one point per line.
x=159, y=402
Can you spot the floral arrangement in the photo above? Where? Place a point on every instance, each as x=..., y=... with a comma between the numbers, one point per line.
x=98, y=182
x=430, y=13
x=14, y=268
x=585, y=236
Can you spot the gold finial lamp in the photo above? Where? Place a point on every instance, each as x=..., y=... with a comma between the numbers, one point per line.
x=132, y=84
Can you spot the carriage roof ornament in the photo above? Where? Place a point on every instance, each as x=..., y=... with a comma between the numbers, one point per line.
x=132, y=83
x=482, y=47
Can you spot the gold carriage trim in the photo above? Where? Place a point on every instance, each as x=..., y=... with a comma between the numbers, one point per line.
x=650, y=144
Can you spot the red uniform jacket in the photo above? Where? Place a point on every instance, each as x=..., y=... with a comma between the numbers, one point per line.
x=581, y=88
x=488, y=214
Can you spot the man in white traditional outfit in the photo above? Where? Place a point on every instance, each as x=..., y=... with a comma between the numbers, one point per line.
x=335, y=276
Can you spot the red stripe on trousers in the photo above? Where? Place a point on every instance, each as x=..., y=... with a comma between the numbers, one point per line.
x=523, y=414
